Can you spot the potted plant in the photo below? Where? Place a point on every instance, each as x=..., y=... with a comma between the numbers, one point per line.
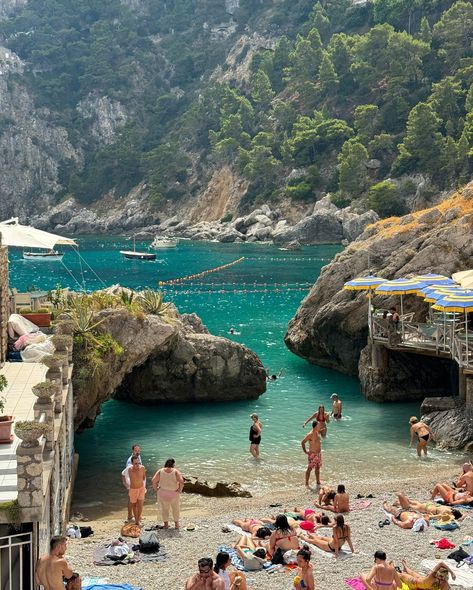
x=53, y=361
x=29, y=432
x=45, y=390
x=41, y=317
x=6, y=422
x=62, y=342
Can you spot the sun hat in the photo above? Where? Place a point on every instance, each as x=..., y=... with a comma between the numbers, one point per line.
x=334, y=395
x=190, y=527
x=446, y=518
x=307, y=525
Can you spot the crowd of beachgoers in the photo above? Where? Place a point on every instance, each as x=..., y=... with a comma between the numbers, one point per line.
x=410, y=534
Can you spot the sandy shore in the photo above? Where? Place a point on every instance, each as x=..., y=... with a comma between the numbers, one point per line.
x=209, y=515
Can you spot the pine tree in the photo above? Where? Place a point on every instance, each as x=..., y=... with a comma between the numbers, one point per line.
x=328, y=79
x=321, y=21
x=450, y=161
x=425, y=32
x=352, y=173
x=454, y=34
x=445, y=99
x=469, y=100
x=423, y=146
x=261, y=90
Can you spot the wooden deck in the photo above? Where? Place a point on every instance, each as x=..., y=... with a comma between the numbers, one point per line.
x=440, y=340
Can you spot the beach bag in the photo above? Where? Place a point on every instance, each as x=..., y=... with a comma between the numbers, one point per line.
x=278, y=557
x=458, y=555
x=149, y=542
x=86, y=531
x=290, y=556
x=130, y=529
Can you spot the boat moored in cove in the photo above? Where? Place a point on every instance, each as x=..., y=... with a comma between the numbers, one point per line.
x=134, y=255
x=49, y=255
x=163, y=242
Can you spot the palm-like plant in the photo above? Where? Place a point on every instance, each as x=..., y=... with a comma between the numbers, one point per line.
x=152, y=302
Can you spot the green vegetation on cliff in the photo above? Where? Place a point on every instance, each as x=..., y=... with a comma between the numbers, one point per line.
x=388, y=83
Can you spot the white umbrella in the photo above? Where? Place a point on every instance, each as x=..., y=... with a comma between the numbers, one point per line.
x=459, y=276
x=25, y=236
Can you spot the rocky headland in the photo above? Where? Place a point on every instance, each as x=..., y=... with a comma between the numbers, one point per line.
x=322, y=223
x=165, y=359
x=330, y=327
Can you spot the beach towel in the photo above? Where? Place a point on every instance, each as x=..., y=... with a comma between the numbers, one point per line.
x=357, y=584
x=464, y=575
x=237, y=529
x=343, y=554
x=111, y=587
x=101, y=556
x=89, y=581
x=236, y=560
x=360, y=505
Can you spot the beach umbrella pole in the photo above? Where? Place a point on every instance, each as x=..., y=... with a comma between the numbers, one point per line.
x=402, y=319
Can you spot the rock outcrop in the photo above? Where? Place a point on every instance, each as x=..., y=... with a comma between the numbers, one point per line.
x=181, y=359
x=452, y=425
x=330, y=326
x=194, y=485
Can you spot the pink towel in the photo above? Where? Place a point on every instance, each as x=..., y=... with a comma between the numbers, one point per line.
x=355, y=583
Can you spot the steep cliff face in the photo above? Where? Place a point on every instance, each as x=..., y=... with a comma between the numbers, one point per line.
x=31, y=145
x=330, y=326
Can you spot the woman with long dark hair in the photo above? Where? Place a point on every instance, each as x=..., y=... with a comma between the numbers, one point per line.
x=232, y=580
x=341, y=534
x=282, y=538
x=323, y=418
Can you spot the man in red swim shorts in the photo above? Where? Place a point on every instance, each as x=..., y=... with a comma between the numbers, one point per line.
x=134, y=478
x=314, y=454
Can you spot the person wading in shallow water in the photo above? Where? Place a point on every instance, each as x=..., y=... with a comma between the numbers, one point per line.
x=255, y=436
x=336, y=407
x=314, y=454
x=322, y=418
x=424, y=434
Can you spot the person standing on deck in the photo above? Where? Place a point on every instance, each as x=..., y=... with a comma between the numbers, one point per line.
x=314, y=454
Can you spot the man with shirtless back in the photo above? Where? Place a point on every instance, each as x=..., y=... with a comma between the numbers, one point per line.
x=206, y=579
x=52, y=569
x=465, y=480
x=134, y=479
x=314, y=454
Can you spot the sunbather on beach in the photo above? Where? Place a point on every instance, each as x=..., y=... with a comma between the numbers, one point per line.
x=253, y=525
x=403, y=518
x=326, y=497
x=313, y=516
x=283, y=537
x=451, y=496
x=431, y=508
x=206, y=578
x=465, y=481
x=382, y=576
x=304, y=579
x=253, y=557
x=234, y=580
x=341, y=501
x=341, y=534
x=436, y=580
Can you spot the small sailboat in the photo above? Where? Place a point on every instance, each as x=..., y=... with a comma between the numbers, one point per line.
x=48, y=255
x=163, y=242
x=134, y=255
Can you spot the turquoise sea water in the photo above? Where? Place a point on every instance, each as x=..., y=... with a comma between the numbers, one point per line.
x=257, y=297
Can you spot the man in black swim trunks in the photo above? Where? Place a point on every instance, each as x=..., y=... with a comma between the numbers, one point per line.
x=336, y=406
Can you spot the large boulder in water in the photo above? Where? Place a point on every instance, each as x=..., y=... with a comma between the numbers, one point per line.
x=163, y=359
x=196, y=367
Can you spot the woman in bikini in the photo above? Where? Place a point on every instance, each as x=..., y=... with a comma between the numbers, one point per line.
x=304, y=579
x=257, y=528
x=322, y=418
x=382, y=576
x=341, y=534
x=403, y=518
x=283, y=537
x=451, y=496
x=255, y=436
x=326, y=497
x=431, y=508
x=436, y=580
x=424, y=434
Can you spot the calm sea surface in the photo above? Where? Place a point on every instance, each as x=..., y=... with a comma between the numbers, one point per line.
x=257, y=297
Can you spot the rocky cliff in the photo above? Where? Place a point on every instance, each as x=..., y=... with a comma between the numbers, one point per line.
x=330, y=326
x=167, y=360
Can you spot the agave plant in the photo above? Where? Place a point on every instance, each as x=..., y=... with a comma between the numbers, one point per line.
x=152, y=302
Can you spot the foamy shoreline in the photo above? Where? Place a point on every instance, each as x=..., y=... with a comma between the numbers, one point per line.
x=210, y=514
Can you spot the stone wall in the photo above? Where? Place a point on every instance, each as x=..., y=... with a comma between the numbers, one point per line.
x=4, y=304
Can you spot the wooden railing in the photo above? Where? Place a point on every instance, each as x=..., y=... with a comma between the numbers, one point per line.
x=444, y=340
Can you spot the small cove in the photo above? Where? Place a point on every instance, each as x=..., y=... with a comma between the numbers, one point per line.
x=257, y=297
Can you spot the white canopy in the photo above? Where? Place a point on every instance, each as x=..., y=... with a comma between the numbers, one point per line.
x=25, y=236
x=458, y=277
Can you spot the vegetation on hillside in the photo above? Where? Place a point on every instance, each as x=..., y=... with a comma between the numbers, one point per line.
x=389, y=82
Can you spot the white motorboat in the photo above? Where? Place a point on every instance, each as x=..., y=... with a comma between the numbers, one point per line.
x=163, y=242
x=47, y=255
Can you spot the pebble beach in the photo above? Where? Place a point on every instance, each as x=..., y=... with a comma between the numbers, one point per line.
x=209, y=515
